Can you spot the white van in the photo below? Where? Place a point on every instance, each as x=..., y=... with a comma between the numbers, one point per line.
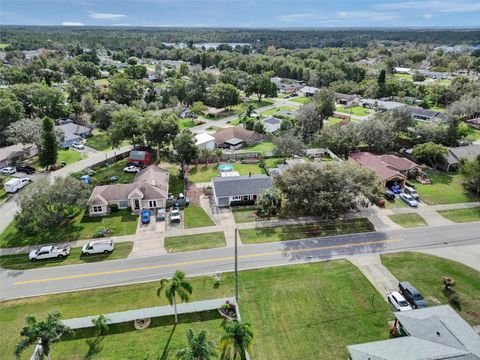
x=13, y=185
x=104, y=246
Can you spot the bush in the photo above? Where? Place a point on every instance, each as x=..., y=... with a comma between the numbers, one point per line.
x=113, y=208
x=242, y=202
x=454, y=300
x=448, y=282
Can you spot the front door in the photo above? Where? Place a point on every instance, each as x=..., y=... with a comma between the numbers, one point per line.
x=136, y=204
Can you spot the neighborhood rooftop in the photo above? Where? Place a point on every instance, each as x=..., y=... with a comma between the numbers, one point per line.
x=240, y=185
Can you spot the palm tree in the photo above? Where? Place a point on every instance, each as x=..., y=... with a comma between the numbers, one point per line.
x=177, y=285
x=239, y=335
x=270, y=201
x=42, y=332
x=198, y=348
x=101, y=324
x=218, y=154
x=207, y=153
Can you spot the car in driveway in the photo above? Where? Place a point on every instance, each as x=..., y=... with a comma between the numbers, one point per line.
x=49, y=252
x=145, y=216
x=78, y=146
x=396, y=189
x=411, y=294
x=131, y=169
x=160, y=216
x=412, y=192
x=175, y=216
x=389, y=195
x=398, y=301
x=409, y=200
x=25, y=169
x=8, y=170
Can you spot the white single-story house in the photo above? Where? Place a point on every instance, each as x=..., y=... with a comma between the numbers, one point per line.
x=148, y=191
x=239, y=188
x=205, y=141
x=73, y=133
x=309, y=91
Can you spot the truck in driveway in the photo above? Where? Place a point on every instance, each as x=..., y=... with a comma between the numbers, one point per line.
x=13, y=185
x=49, y=252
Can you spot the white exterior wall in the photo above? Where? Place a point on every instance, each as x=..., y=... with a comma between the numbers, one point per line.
x=210, y=145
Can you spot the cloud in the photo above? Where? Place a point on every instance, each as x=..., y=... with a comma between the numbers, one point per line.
x=367, y=15
x=427, y=16
x=339, y=17
x=444, y=6
x=105, y=16
x=72, y=23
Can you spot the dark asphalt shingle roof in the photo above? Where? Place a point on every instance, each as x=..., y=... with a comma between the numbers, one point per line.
x=240, y=185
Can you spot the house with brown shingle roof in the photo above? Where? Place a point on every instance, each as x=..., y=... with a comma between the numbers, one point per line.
x=148, y=191
x=402, y=165
x=235, y=137
x=384, y=171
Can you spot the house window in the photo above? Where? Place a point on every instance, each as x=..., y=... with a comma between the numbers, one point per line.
x=237, y=198
x=246, y=197
x=123, y=204
x=97, y=208
x=152, y=203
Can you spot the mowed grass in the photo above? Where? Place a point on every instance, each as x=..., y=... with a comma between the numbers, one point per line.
x=273, y=111
x=102, y=175
x=446, y=188
x=241, y=108
x=310, y=311
x=300, y=100
x=354, y=110
x=101, y=141
x=175, y=184
x=79, y=227
x=293, y=232
x=244, y=215
x=425, y=272
x=203, y=174
x=21, y=262
x=263, y=147
x=195, y=242
x=69, y=156
x=461, y=215
x=473, y=134
x=195, y=216
x=408, y=220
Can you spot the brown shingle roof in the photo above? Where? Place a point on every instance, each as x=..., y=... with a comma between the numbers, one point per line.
x=237, y=132
x=398, y=163
x=374, y=163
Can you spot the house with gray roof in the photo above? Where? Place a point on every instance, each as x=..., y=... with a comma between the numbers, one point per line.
x=73, y=133
x=421, y=114
x=424, y=334
x=271, y=124
x=239, y=188
x=455, y=155
x=381, y=105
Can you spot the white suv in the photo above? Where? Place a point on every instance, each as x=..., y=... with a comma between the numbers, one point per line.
x=398, y=301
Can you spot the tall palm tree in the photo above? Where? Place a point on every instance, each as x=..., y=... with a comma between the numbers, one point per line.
x=239, y=335
x=43, y=332
x=198, y=348
x=207, y=154
x=177, y=285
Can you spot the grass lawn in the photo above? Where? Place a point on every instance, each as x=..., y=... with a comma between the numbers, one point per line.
x=203, y=174
x=293, y=232
x=101, y=141
x=397, y=203
x=195, y=242
x=175, y=184
x=446, y=188
x=273, y=111
x=3, y=194
x=244, y=215
x=273, y=162
x=3, y=46
x=241, y=108
x=333, y=120
x=300, y=100
x=354, y=110
x=245, y=169
x=101, y=82
x=462, y=215
x=308, y=311
x=79, y=227
x=214, y=128
x=403, y=76
x=437, y=108
x=195, y=216
x=425, y=273
x=473, y=134
x=21, y=262
x=188, y=123
x=263, y=147
x=408, y=220
x=103, y=174
x=70, y=156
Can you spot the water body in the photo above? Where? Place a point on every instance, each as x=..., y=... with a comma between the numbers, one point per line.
x=206, y=45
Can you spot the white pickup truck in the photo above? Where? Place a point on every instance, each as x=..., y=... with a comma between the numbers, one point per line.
x=49, y=252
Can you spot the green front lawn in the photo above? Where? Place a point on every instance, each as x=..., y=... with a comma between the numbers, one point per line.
x=21, y=262
x=408, y=220
x=103, y=174
x=195, y=242
x=175, y=184
x=397, y=203
x=403, y=76
x=203, y=174
x=354, y=110
x=241, y=108
x=188, y=123
x=70, y=156
x=446, y=188
x=273, y=111
x=79, y=227
x=334, y=120
x=263, y=147
x=473, y=134
x=425, y=272
x=462, y=215
x=195, y=216
x=294, y=232
x=101, y=141
x=300, y=100
x=310, y=311
x=244, y=215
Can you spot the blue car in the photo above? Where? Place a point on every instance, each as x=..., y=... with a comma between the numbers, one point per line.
x=145, y=216
x=396, y=189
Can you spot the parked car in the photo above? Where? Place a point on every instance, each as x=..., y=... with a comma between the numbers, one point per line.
x=25, y=169
x=160, y=216
x=398, y=301
x=175, y=216
x=13, y=185
x=396, y=189
x=131, y=169
x=49, y=252
x=145, y=216
x=409, y=200
x=103, y=246
x=8, y=170
x=411, y=191
x=78, y=146
x=389, y=195
x=114, y=178
x=412, y=295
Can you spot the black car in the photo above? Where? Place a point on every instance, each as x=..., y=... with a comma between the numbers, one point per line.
x=389, y=195
x=25, y=169
x=412, y=295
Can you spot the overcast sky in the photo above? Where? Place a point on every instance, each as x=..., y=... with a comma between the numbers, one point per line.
x=243, y=13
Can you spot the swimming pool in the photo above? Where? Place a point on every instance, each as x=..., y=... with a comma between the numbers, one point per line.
x=225, y=167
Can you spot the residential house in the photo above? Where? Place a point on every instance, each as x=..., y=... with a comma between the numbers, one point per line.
x=235, y=137
x=421, y=114
x=140, y=157
x=205, y=141
x=346, y=99
x=384, y=171
x=402, y=70
x=73, y=133
x=287, y=86
x=271, y=124
x=381, y=105
x=455, y=155
x=474, y=123
x=429, y=333
x=11, y=155
x=402, y=165
x=309, y=91
x=148, y=191
x=239, y=188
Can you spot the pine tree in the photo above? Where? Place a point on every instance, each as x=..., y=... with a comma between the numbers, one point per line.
x=49, y=148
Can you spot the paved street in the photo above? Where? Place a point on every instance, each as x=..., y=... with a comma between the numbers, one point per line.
x=14, y=284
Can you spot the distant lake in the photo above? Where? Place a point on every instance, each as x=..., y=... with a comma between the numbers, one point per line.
x=206, y=45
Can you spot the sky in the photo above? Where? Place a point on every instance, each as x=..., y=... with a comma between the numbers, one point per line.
x=243, y=13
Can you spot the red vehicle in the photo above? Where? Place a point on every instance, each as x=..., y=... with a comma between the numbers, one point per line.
x=138, y=157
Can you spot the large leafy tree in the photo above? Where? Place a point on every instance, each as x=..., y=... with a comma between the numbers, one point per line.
x=261, y=86
x=11, y=110
x=44, y=332
x=123, y=90
x=161, y=130
x=40, y=100
x=270, y=201
x=471, y=174
x=224, y=95
x=187, y=151
x=179, y=286
x=312, y=115
x=237, y=338
x=431, y=153
x=328, y=191
x=198, y=347
x=341, y=139
x=48, y=151
x=287, y=146
x=377, y=134
x=29, y=131
x=102, y=114
x=126, y=125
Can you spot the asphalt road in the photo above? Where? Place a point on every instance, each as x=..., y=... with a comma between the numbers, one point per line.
x=17, y=284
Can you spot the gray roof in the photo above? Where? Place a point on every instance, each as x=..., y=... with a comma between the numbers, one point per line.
x=418, y=111
x=240, y=185
x=73, y=131
x=234, y=141
x=469, y=152
x=271, y=124
x=383, y=105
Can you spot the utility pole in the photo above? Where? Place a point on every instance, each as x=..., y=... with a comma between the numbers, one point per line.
x=236, y=266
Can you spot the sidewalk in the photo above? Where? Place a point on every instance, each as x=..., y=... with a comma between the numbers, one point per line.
x=149, y=239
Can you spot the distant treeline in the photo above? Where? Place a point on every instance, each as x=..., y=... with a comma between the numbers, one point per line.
x=114, y=38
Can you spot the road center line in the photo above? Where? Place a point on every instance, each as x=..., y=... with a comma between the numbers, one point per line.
x=192, y=262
